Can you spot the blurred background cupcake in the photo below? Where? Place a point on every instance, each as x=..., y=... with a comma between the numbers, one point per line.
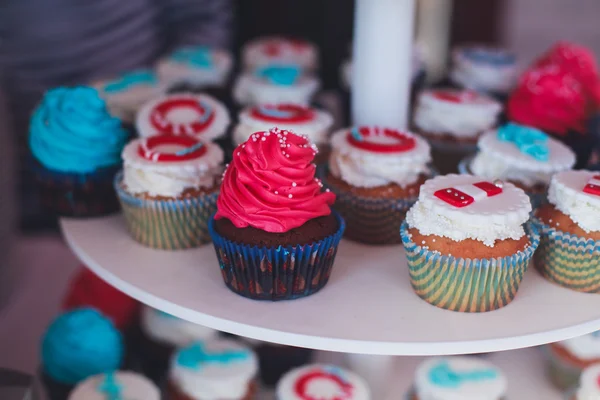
x=569, y=252
x=458, y=378
x=214, y=369
x=376, y=174
x=116, y=385
x=452, y=121
x=76, y=144
x=589, y=385
x=168, y=190
x=278, y=50
x=272, y=213
x=465, y=233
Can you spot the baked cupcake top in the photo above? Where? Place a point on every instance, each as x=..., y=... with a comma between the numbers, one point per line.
x=168, y=329
x=484, y=68
x=323, y=382
x=310, y=121
x=117, y=385
x=589, y=384
x=270, y=184
x=460, y=113
x=577, y=194
x=279, y=50
x=374, y=156
x=72, y=131
x=125, y=94
x=464, y=378
x=463, y=207
x=521, y=154
x=586, y=347
x=81, y=343
x=197, y=115
x=215, y=369
x=198, y=65
x=168, y=165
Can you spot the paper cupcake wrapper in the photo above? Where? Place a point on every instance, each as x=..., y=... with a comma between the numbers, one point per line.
x=465, y=284
x=568, y=260
x=276, y=273
x=562, y=374
x=167, y=224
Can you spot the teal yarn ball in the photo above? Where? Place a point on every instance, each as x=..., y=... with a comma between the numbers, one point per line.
x=79, y=344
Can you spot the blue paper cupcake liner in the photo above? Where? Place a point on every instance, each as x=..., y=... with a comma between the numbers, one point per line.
x=172, y=224
x=276, y=273
x=568, y=260
x=464, y=284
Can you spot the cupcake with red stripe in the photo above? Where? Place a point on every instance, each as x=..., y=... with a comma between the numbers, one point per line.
x=376, y=174
x=197, y=115
x=276, y=50
x=168, y=190
x=468, y=243
x=275, y=234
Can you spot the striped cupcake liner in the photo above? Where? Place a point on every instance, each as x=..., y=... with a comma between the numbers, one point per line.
x=167, y=224
x=568, y=260
x=276, y=273
x=562, y=374
x=464, y=284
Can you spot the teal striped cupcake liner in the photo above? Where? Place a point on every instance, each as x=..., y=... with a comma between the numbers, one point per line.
x=561, y=373
x=167, y=224
x=568, y=260
x=464, y=284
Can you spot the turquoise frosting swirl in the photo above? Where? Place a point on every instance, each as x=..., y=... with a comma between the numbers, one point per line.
x=72, y=131
x=528, y=140
x=79, y=344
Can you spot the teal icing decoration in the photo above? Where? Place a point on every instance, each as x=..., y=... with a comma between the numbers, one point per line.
x=195, y=356
x=336, y=371
x=189, y=150
x=596, y=334
x=110, y=387
x=199, y=57
x=274, y=112
x=356, y=134
x=442, y=375
x=79, y=344
x=530, y=141
x=125, y=82
x=71, y=131
x=284, y=75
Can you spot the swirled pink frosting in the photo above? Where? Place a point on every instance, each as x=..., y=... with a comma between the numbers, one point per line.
x=271, y=184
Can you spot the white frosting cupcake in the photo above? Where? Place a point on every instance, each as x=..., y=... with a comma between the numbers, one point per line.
x=196, y=65
x=589, y=384
x=323, y=382
x=464, y=114
x=253, y=88
x=463, y=207
x=485, y=69
x=500, y=156
x=296, y=118
x=586, y=347
x=371, y=156
x=165, y=328
x=214, y=370
x=169, y=165
x=125, y=95
x=577, y=194
x=459, y=378
x=279, y=50
x=121, y=384
x=198, y=115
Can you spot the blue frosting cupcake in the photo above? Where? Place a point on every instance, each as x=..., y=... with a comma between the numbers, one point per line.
x=76, y=145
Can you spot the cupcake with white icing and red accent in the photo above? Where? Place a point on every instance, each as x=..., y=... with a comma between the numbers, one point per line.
x=569, y=253
x=376, y=174
x=468, y=243
x=197, y=115
x=323, y=382
x=116, y=385
x=168, y=189
x=589, y=384
x=277, y=50
x=458, y=378
x=274, y=84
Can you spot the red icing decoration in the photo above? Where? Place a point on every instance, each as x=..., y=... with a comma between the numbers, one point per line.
x=460, y=199
x=258, y=186
x=455, y=96
x=297, y=113
x=489, y=188
x=592, y=188
x=158, y=116
x=190, y=148
x=301, y=386
x=87, y=290
x=404, y=142
x=274, y=48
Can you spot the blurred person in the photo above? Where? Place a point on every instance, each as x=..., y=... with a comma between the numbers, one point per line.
x=49, y=43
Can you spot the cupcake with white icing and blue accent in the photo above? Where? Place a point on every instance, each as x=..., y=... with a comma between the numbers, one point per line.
x=213, y=370
x=567, y=359
x=115, y=386
x=458, y=378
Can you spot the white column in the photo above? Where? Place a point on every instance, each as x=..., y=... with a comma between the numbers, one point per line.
x=433, y=35
x=381, y=77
